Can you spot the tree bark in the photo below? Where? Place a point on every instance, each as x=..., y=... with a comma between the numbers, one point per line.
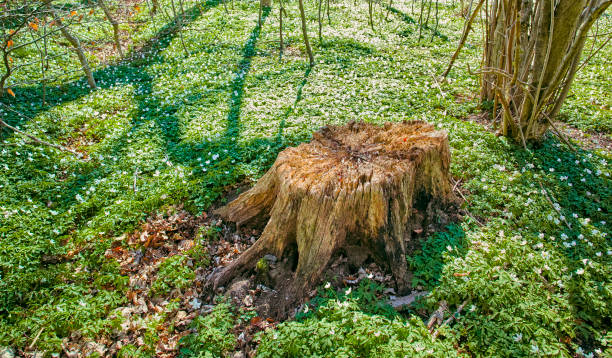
x=305, y=33
x=76, y=44
x=466, y=32
x=530, y=60
x=320, y=24
x=358, y=190
x=281, y=12
x=263, y=4
x=115, y=25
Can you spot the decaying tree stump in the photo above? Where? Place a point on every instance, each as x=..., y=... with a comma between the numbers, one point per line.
x=359, y=190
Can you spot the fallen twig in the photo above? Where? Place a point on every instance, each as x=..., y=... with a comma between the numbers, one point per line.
x=40, y=141
x=450, y=319
x=31, y=346
x=437, y=316
x=474, y=218
x=438, y=85
x=565, y=140
x=456, y=184
x=456, y=189
x=135, y=188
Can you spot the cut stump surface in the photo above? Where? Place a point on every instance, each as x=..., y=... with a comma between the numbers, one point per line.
x=359, y=190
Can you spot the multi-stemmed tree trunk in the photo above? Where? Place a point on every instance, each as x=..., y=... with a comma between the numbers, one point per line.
x=531, y=55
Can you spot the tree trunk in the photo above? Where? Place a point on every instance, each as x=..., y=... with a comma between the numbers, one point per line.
x=281, y=10
x=531, y=57
x=179, y=16
x=263, y=4
x=421, y=19
x=320, y=23
x=115, y=25
x=76, y=44
x=466, y=32
x=305, y=33
x=370, y=14
x=359, y=190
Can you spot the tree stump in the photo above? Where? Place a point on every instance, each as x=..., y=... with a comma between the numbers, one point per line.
x=359, y=190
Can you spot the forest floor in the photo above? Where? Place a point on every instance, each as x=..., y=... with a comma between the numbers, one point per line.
x=108, y=253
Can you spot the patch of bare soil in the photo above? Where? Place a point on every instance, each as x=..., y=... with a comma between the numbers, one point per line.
x=463, y=97
x=586, y=140
x=80, y=141
x=123, y=14
x=482, y=118
x=140, y=254
x=106, y=51
x=292, y=51
x=261, y=289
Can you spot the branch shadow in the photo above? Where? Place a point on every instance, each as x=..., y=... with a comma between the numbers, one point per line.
x=289, y=110
x=167, y=126
x=237, y=86
x=15, y=291
x=105, y=77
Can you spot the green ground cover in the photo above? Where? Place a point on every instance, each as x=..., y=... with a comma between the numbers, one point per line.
x=170, y=127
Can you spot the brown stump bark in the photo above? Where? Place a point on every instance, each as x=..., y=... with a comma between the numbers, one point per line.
x=360, y=190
